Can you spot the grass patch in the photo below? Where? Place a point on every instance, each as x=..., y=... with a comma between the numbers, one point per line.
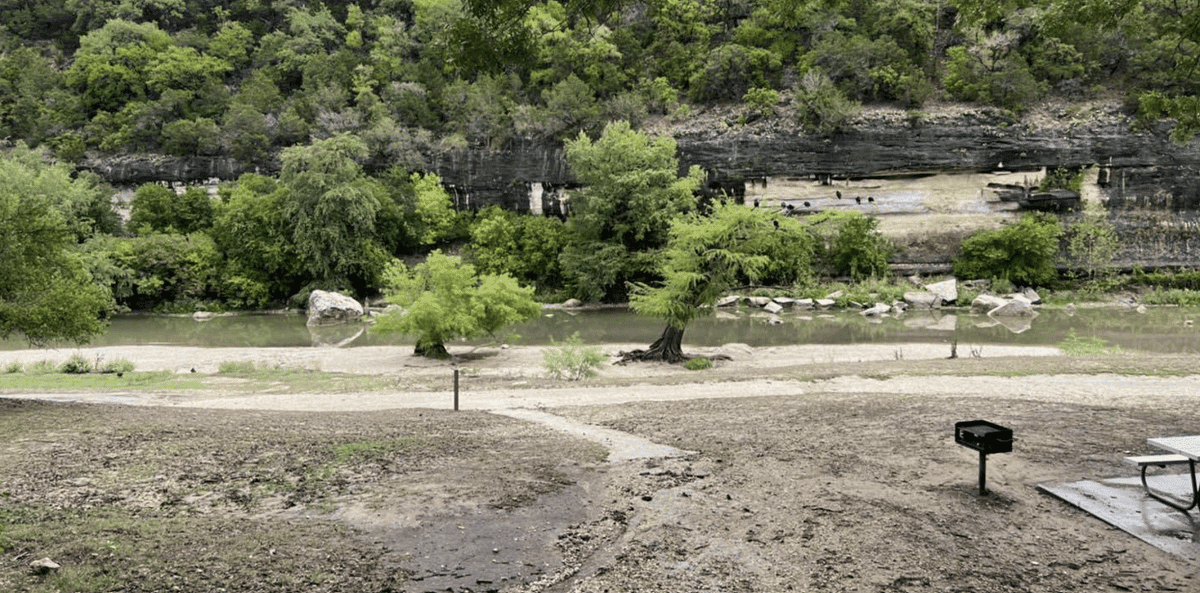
x=698, y=364
x=572, y=360
x=236, y=367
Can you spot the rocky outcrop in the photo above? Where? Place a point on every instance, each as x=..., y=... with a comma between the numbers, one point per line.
x=1135, y=165
x=330, y=308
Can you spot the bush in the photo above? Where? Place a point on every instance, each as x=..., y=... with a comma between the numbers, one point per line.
x=821, y=106
x=41, y=367
x=698, y=364
x=120, y=365
x=13, y=367
x=572, y=360
x=1022, y=253
x=236, y=367
x=76, y=365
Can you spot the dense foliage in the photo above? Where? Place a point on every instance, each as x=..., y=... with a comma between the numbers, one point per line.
x=1023, y=253
x=247, y=79
x=347, y=99
x=444, y=298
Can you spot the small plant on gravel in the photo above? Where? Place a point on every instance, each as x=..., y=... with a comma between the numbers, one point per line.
x=234, y=367
x=1074, y=345
x=698, y=364
x=572, y=360
x=76, y=365
x=13, y=367
x=41, y=367
x=120, y=365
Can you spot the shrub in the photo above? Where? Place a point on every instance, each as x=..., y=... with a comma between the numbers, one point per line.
x=76, y=365
x=13, y=367
x=41, y=367
x=234, y=367
x=822, y=107
x=572, y=360
x=698, y=364
x=1022, y=253
x=120, y=365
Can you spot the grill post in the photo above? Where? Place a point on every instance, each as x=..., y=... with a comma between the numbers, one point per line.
x=984, y=437
x=982, y=473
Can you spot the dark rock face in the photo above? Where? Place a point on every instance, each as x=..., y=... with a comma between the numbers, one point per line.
x=1135, y=166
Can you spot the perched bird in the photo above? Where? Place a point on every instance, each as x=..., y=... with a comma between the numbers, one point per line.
x=756, y=202
x=839, y=194
x=870, y=198
x=776, y=224
x=858, y=199
x=806, y=205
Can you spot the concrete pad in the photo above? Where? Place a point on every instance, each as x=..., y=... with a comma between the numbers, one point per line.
x=1122, y=503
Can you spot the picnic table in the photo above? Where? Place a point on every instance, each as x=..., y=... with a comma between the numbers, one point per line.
x=1182, y=449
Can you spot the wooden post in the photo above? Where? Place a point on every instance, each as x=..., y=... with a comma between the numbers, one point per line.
x=456, y=389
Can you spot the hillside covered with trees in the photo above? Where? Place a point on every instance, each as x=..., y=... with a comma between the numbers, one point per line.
x=345, y=99
x=247, y=78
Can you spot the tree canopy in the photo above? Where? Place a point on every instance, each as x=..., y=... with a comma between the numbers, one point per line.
x=621, y=219
x=443, y=299
x=707, y=255
x=46, y=292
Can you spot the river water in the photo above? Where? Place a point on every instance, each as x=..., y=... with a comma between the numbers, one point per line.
x=1167, y=329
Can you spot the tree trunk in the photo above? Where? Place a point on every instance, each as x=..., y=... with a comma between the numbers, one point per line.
x=667, y=348
x=437, y=350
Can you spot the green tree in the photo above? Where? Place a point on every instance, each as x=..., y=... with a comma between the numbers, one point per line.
x=332, y=205
x=853, y=245
x=822, y=107
x=1092, y=242
x=46, y=292
x=1022, y=253
x=706, y=256
x=112, y=63
x=525, y=247
x=158, y=208
x=256, y=237
x=443, y=299
x=622, y=218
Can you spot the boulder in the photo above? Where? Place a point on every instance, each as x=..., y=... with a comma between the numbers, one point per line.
x=572, y=303
x=804, y=303
x=986, y=302
x=773, y=307
x=784, y=301
x=203, y=315
x=1032, y=296
x=837, y=294
x=758, y=301
x=876, y=311
x=922, y=300
x=329, y=308
x=728, y=301
x=825, y=303
x=1013, y=308
x=947, y=290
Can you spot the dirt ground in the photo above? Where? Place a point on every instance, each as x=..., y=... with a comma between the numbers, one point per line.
x=794, y=469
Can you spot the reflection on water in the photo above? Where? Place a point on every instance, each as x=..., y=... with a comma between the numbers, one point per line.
x=1157, y=330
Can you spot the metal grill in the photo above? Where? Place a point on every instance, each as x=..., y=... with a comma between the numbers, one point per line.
x=985, y=437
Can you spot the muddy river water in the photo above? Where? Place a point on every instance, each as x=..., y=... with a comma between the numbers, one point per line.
x=1157, y=329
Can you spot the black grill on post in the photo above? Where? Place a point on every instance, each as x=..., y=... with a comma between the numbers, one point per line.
x=985, y=437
